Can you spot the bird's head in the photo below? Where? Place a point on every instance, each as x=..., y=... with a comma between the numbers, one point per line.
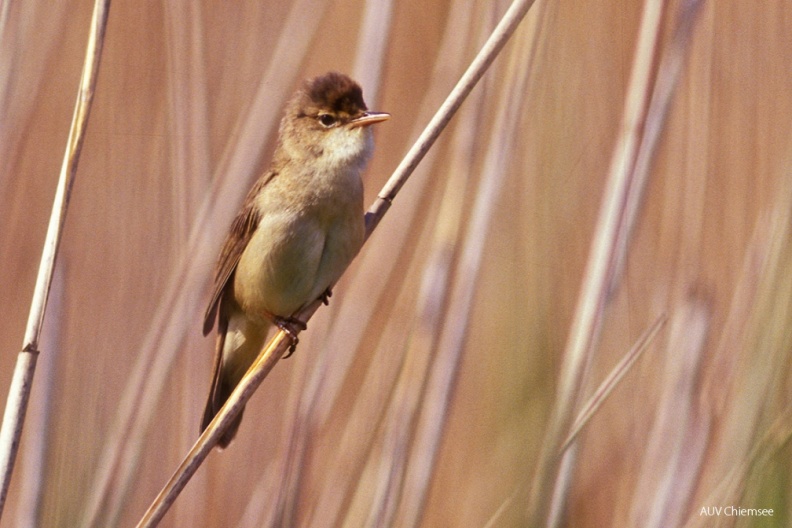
x=327, y=121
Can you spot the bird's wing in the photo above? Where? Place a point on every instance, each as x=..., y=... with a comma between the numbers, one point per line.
x=242, y=229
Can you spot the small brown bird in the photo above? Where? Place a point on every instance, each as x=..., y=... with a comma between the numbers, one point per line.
x=300, y=226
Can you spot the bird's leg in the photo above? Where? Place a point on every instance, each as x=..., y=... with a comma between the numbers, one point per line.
x=325, y=297
x=290, y=325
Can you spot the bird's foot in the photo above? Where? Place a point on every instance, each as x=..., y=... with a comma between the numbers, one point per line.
x=325, y=297
x=292, y=326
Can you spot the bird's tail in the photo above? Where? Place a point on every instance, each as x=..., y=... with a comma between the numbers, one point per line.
x=239, y=342
x=220, y=392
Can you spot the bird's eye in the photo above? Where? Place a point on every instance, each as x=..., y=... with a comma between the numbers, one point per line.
x=327, y=120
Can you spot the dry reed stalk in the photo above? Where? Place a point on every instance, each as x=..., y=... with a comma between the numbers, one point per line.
x=265, y=507
x=141, y=396
x=319, y=395
x=634, y=151
x=673, y=59
x=447, y=352
x=280, y=342
x=284, y=475
x=373, y=40
x=366, y=412
x=751, y=398
x=412, y=338
x=114, y=481
x=271, y=354
x=21, y=384
x=495, y=520
x=188, y=103
x=678, y=438
x=160, y=346
x=332, y=363
x=596, y=280
x=605, y=389
x=34, y=455
x=259, y=507
x=492, y=47
x=4, y=7
x=720, y=164
x=16, y=46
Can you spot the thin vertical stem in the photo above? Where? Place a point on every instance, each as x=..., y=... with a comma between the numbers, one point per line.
x=645, y=111
x=22, y=380
x=597, y=280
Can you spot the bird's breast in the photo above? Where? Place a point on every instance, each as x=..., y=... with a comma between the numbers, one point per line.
x=306, y=237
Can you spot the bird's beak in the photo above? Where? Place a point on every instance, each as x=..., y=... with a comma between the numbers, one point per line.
x=369, y=118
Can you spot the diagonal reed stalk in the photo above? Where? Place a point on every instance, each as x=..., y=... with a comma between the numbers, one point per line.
x=377, y=490
x=606, y=387
x=160, y=346
x=280, y=342
x=22, y=381
x=423, y=448
x=319, y=395
x=126, y=355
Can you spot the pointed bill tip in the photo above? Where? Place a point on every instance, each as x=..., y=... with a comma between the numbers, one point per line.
x=369, y=118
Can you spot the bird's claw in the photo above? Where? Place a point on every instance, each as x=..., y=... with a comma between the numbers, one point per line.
x=292, y=326
x=325, y=297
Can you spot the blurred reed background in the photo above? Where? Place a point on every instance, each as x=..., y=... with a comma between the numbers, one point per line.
x=422, y=395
